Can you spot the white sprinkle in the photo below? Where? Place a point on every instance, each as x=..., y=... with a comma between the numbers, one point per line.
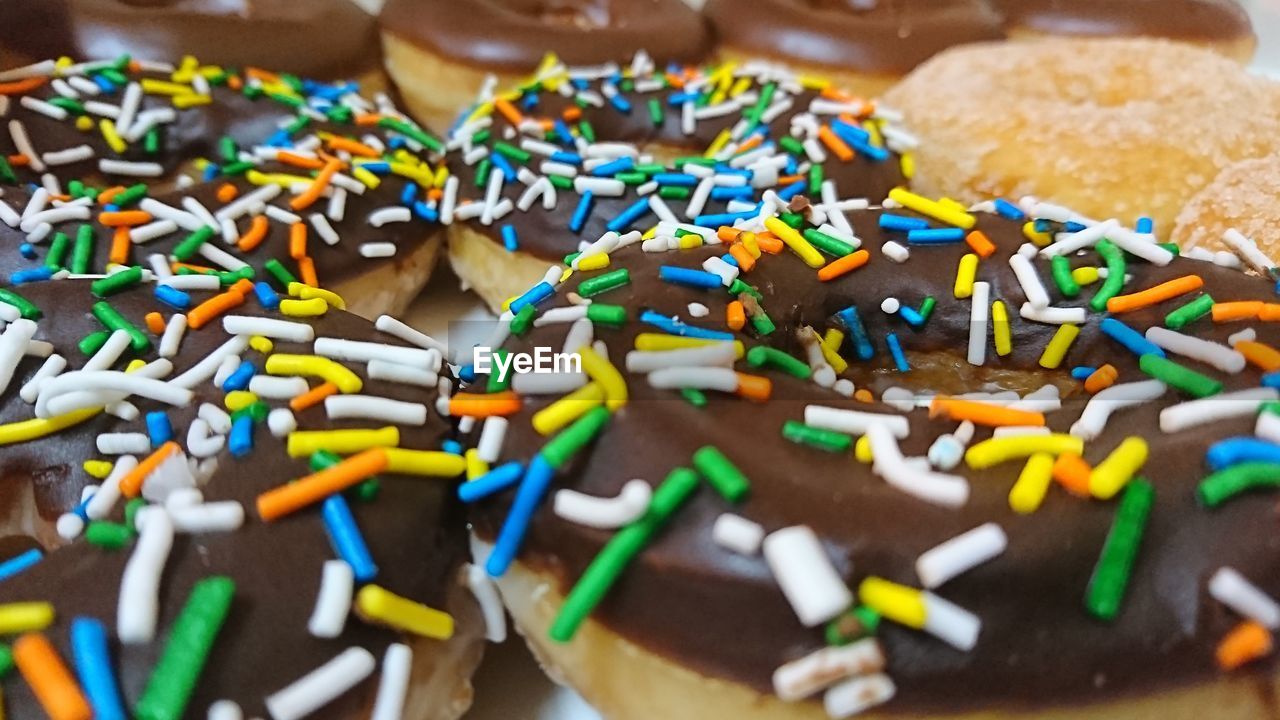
x=1029, y=279
x=324, y=229
x=277, y=388
x=737, y=533
x=333, y=602
x=979, y=311
x=207, y=366
x=404, y=374
x=124, y=443
x=393, y=214
x=37, y=105
x=604, y=513
x=895, y=251
x=131, y=169
x=819, y=669
x=960, y=554
x=53, y=365
x=1052, y=315
x=950, y=623
x=225, y=710
x=858, y=695
x=322, y=685
x=486, y=595
x=1206, y=351
x=934, y=487
x=1248, y=251
x=372, y=407
x=854, y=422
x=377, y=249
x=76, y=154
x=1232, y=589
x=805, y=574
x=492, y=435
x=207, y=517
x=393, y=687
x=139, y=604
x=285, y=330
x=174, y=330
x=152, y=230
x=22, y=143
x=359, y=351
x=1203, y=411
x=1093, y=420
x=281, y=422
x=13, y=346
x=700, y=378
x=395, y=328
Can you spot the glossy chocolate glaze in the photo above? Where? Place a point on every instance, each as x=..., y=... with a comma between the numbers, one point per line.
x=723, y=615
x=414, y=527
x=514, y=35
x=317, y=38
x=893, y=36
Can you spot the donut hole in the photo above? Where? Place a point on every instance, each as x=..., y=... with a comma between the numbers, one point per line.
x=575, y=14
x=30, y=501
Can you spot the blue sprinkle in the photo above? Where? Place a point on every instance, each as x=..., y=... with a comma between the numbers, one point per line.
x=32, y=275
x=395, y=142
x=453, y=447
x=346, y=539
x=793, y=189
x=159, y=429
x=913, y=318
x=729, y=259
x=82, y=510
x=509, y=240
x=935, y=236
x=425, y=211
x=722, y=193
x=467, y=373
x=620, y=103
x=676, y=327
x=409, y=193
x=267, y=296
x=1043, y=226
x=173, y=297
x=581, y=212
x=1233, y=451
x=676, y=179
x=563, y=134
x=568, y=158
x=1271, y=379
x=211, y=172
x=1008, y=210
x=613, y=167
x=92, y=657
x=111, y=208
x=877, y=154
x=861, y=341
x=1131, y=339
x=1145, y=225
x=532, y=296
x=240, y=442
x=529, y=101
x=239, y=380
x=18, y=563
x=792, y=166
x=692, y=278
x=494, y=481
x=378, y=167
x=726, y=169
x=895, y=349
x=1073, y=227
x=106, y=85
x=634, y=212
x=718, y=219
x=902, y=223
x=534, y=485
x=849, y=133
x=1082, y=372
x=500, y=162
x=27, y=250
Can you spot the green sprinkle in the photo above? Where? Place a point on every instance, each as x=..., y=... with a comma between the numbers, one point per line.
x=108, y=535
x=523, y=320
x=721, y=473
x=655, y=112
x=754, y=114
x=695, y=160
x=151, y=142
x=1111, y=574
x=25, y=306
x=561, y=448
x=6, y=172
x=761, y=321
x=621, y=549
x=71, y=106
x=1061, y=269
x=795, y=220
x=482, y=172
x=117, y=282
x=1180, y=377
x=791, y=145
x=694, y=397
x=230, y=278
x=651, y=168
x=82, y=253
x=1230, y=482
x=227, y=146
x=113, y=320
x=611, y=315
x=365, y=491
x=1272, y=407
x=767, y=357
x=279, y=272
x=257, y=411
x=496, y=383
x=631, y=178
x=412, y=133
x=93, y=342
x=827, y=243
x=115, y=76
x=174, y=679
x=561, y=182
x=1190, y=312
x=1115, y=275
x=674, y=192
x=57, y=251
x=927, y=306
x=829, y=440
x=604, y=283
x=187, y=249
x=481, y=137
x=815, y=179
x=6, y=661
x=131, y=509
x=130, y=195
x=237, y=168
x=856, y=624
x=588, y=132
x=739, y=287
x=511, y=151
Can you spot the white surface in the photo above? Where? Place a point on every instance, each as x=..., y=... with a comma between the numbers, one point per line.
x=509, y=685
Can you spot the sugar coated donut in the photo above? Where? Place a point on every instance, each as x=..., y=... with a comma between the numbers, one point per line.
x=1242, y=198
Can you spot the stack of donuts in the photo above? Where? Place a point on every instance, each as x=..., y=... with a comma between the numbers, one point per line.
x=962, y=403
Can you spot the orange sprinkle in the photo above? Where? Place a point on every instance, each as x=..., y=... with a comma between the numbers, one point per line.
x=155, y=322
x=980, y=243
x=22, y=87
x=227, y=192
x=863, y=395
x=242, y=286
x=1270, y=312
x=1248, y=641
x=106, y=196
x=1243, y=310
x=1263, y=356
x=981, y=413
x=19, y=160
x=120, y=243
x=312, y=397
x=435, y=193
x=735, y=316
x=124, y=218
x=675, y=80
x=769, y=243
x=131, y=484
x=307, y=271
x=300, y=161
x=204, y=269
x=755, y=388
x=368, y=119
x=202, y=314
x=750, y=144
x=1101, y=379
x=835, y=144
x=317, y=186
x=508, y=111
x=1157, y=294
x=739, y=253
x=298, y=240
x=50, y=680
x=484, y=404
x=286, y=499
x=790, y=179
x=727, y=234
x=235, y=83
x=256, y=233
x=1072, y=472
x=844, y=265
x=572, y=114
x=256, y=73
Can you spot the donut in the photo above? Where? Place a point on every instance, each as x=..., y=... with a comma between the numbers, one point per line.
x=869, y=45
x=769, y=125
x=340, y=38
x=1242, y=198
x=1094, y=125
x=440, y=53
x=255, y=174
x=165, y=567
x=970, y=461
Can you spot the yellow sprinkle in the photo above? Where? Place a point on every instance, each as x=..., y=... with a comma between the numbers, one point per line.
x=740, y=86
x=261, y=344
x=239, y=400
x=314, y=366
x=862, y=450
x=933, y=209
x=306, y=292
x=84, y=123
x=1037, y=238
x=314, y=307
x=427, y=463
x=794, y=240
x=908, y=164
x=830, y=346
x=1032, y=485
x=901, y=604
x=873, y=130
x=750, y=242
x=424, y=178
x=442, y=174
x=965, y=275
x=152, y=86
x=98, y=469
x=62, y=63
x=191, y=100
x=1000, y=327
x=657, y=342
x=813, y=82
x=379, y=605
x=186, y=69
x=954, y=205
x=689, y=241
x=301, y=443
x=282, y=179
x=135, y=365
x=476, y=466
x=23, y=617
x=24, y=430
x=599, y=261
x=718, y=144
x=568, y=273
x=649, y=233
x=1058, y=345
x=1086, y=275
x=370, y=180
x=1113, y=473
x=997, y=450
x=567, y=409
x=114, y=141
x=606, y=376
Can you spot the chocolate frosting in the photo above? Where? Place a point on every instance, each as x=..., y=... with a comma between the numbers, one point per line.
x=514, y=35
x=894, y=36
x=723, y=615
x=413, y=528
x=326, y=38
